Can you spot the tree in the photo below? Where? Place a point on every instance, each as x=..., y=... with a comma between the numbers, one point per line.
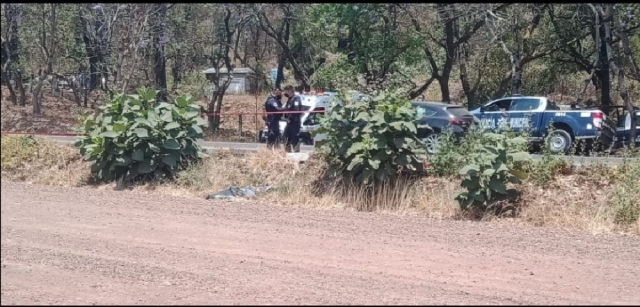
x=46, y=15
x=222, y=43
x=448, y=38
x=279, y=29
x=612, y=21
x=97, y=23
x=580, y=24
x=159, y=41
x=131, y=40
x=10, y=54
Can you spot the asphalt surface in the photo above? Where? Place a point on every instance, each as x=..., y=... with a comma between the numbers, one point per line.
x=91, y=246
x=243, y=148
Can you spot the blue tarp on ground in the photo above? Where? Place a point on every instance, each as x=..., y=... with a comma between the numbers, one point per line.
x=234, y=192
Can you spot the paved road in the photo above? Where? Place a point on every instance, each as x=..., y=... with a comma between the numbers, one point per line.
x=89, y=246
x=242, y=148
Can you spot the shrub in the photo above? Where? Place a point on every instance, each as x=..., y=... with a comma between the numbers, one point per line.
x=491, y=169
x=626, y=195
x=136, y=137
x=373, y=139
x=451, y=156
x=551, y=164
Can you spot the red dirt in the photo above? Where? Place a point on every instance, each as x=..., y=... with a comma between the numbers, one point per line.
x=89, y=246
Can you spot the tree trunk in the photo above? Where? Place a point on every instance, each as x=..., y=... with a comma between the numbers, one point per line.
x=444, y=87
x=611, y=59
x=10, y=53
x=160, y=73
x=604, y=78
x=90, y=47
x=175, y=72
x=23, y=96
x=36, y=95
x=118, y=76
x=516, y=64
x=12, y=94
x=450, y=31
x=280, y=75
x=603, y=72
x=215, y=104
x=466, y=86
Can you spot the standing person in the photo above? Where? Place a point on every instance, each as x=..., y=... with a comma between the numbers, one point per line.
x=294, y=104
x=273, y=104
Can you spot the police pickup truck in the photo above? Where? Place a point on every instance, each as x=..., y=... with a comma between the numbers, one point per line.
x=537, y=114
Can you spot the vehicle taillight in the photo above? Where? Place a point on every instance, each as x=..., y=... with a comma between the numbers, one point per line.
x=455, y=122
x=597, y=117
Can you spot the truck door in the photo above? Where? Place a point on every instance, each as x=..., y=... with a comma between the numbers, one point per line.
x=524, y=113
x=494, y=114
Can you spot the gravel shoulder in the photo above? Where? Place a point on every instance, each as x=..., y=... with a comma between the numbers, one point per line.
x=89, y=246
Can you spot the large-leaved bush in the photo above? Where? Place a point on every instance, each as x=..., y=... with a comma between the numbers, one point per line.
x=492, y=167
x=372, y=139
x=135, y=136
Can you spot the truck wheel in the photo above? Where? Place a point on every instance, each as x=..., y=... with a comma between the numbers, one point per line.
x=559, y=141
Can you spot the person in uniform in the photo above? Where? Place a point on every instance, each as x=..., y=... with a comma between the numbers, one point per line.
x=291, y=132
x=273, y=104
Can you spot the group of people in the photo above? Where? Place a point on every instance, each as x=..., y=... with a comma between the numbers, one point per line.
x=276, y=111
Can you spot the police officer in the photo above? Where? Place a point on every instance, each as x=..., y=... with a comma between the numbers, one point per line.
x=273, y=104
x=294, y=104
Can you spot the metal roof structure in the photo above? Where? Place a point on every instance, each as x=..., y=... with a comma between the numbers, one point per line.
x=237, y=70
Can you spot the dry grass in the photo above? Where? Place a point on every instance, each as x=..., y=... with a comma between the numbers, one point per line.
x=36, y=160
x=586, y=200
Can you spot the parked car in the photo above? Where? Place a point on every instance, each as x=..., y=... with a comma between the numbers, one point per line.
x=440, y=116
x=539, y=113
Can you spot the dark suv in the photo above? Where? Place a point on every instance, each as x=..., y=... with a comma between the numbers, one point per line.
x=440, y=116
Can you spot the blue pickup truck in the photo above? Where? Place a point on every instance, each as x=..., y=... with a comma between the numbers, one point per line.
x=538, y=113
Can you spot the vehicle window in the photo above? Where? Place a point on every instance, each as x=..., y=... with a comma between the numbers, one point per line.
x=552, y=105
x=499, y=105
x=459, y=111
x=524, y=104
x=422, y=111
x=620, y=117
x=314, y=118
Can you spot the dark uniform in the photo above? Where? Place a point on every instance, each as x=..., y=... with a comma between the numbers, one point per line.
x=273, y=104
x=291, y=132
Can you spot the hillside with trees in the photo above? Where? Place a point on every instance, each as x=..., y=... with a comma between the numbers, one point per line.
x=463, y=53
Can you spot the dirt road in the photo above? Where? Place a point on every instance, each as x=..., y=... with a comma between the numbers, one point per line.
x=87, y=246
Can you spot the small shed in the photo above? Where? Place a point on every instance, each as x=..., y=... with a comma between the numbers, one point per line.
x=244, y=80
